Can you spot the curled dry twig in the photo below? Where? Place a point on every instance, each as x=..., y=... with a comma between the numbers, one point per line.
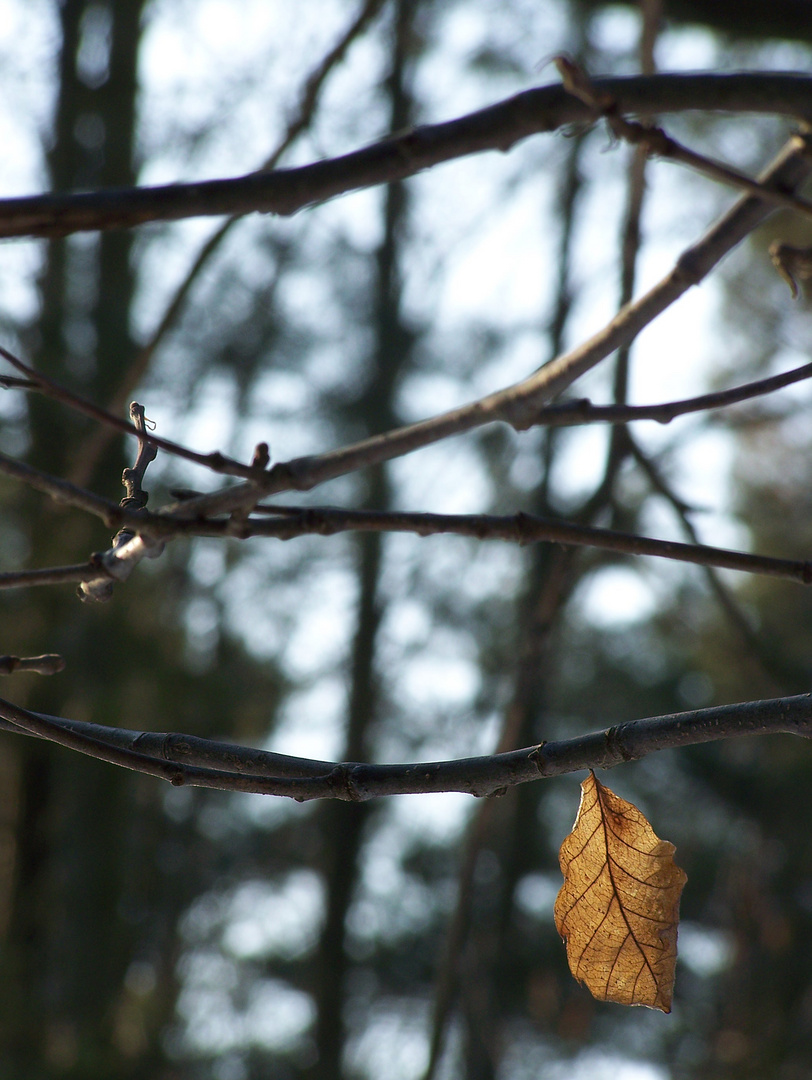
x=129, y=546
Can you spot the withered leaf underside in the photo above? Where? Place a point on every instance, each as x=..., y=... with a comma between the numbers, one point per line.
x=618, y=908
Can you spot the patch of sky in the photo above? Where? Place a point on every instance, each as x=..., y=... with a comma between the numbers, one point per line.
x=28, y=56
x=535, y=894
x=275, y=1015
x=391, y=1042
x=613, y=596
x=191, y=123
x=280, y=918
x=705, y=951
x=598, y=1066
x=443, y=478
x=310, y=723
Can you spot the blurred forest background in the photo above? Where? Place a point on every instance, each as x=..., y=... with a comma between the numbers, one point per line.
x=172, y=933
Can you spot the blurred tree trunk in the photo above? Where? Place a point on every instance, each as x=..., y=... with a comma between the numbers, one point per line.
x=343, y=824
x=80, y=847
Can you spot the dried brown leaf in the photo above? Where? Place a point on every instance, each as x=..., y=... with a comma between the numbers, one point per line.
x=618, y=908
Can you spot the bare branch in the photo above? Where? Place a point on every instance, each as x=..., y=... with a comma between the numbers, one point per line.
x=515, y=528
x=658, y=143
x=582, y=411
x=497, y=127
x=173, y=757
x=519, y=405
x=217, y=462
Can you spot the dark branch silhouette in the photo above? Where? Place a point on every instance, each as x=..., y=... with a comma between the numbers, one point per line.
x=498, y=127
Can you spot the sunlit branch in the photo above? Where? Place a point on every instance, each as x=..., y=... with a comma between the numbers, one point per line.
x=582, y=410
x=519, y=404
x=184, y=760
x=497, y=127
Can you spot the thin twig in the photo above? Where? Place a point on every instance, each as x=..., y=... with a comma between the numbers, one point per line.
x=217, y=462
x=11, y=382
x=661, y=145
x=582, y=411
x=497, y=127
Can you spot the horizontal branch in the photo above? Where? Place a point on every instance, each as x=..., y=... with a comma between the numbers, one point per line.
x=515, y=528
x=187, y=760
x=497, y=127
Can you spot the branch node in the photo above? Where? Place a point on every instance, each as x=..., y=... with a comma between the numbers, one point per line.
x=341, y=781
x=261, y=458
x=535, y=756
x=613, y=740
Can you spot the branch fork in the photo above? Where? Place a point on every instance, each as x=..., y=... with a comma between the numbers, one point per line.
x=129, y=547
